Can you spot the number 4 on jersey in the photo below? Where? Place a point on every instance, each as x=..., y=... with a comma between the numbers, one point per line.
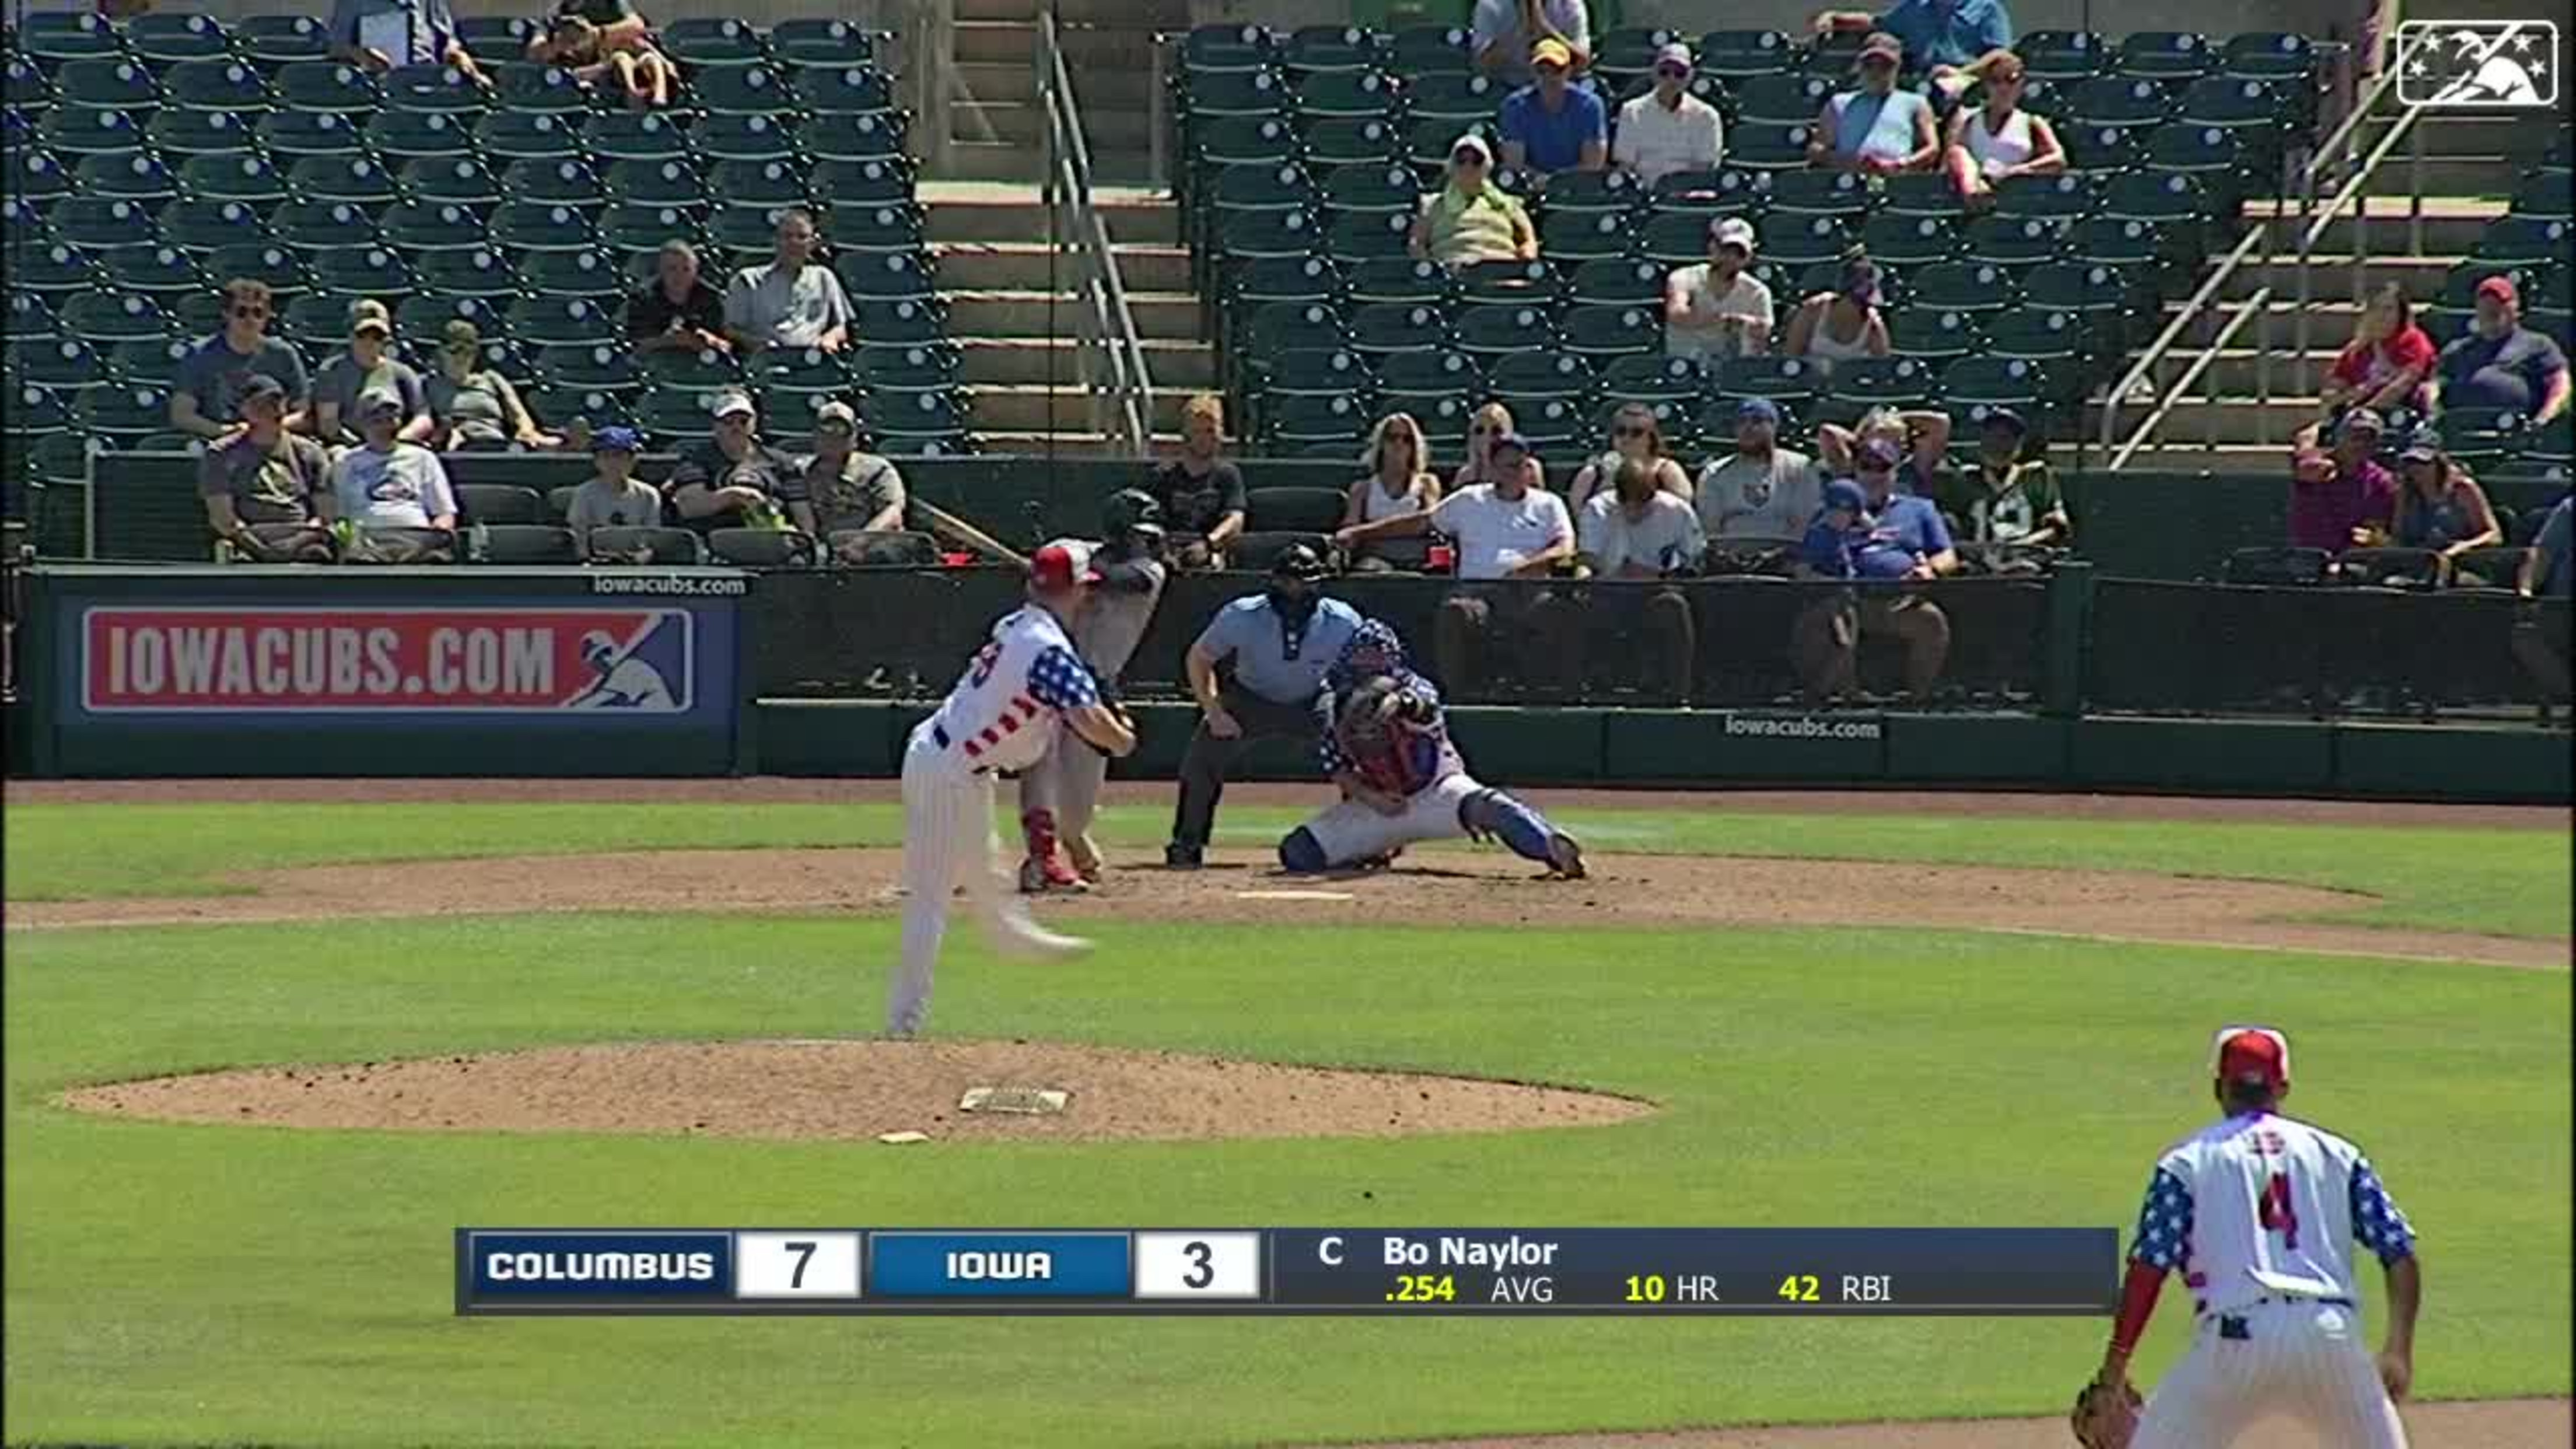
x=2277, y=1213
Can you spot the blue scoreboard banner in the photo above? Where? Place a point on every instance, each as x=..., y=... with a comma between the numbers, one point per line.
x=1376, y=1271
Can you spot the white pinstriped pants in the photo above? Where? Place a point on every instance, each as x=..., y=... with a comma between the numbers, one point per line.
x=2304, y=1360
x=949, y=842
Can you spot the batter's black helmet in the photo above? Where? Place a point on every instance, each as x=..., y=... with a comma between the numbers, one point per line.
x=1300, y=561
x=1129, y=509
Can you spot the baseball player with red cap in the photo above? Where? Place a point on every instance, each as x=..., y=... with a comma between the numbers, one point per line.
x=1000, y=719
x=2260, y=1214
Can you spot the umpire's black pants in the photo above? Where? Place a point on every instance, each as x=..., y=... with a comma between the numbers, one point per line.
x=1204, y=764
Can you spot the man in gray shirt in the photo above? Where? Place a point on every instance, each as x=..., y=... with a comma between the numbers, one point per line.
x=1761, y=490
x=368, y=365
x=1060, y=796
x=206, y=399
x=1256, y=670
x=793, y=301
x=842, y=489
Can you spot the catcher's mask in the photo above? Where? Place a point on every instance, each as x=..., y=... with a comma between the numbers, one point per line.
x=1293, y=577
x=1373, y=652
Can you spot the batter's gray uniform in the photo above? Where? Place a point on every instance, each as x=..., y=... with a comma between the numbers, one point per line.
x=1113, y=620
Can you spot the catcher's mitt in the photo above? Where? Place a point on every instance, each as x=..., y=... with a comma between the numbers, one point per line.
x=2105, y=1414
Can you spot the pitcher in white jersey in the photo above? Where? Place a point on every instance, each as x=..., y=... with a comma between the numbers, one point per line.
x=1002, y=717
x=1060, y=794
x=2260, y=1213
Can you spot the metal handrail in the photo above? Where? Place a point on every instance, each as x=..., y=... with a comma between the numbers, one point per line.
x=1111, y=356
x=2338, y=148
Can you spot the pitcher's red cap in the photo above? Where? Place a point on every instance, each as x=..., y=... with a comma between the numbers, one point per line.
x=2501, y=288
x=2255, y=1054
x=1061, y=565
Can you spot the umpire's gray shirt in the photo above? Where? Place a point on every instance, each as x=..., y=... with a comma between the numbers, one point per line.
x=1267, y=661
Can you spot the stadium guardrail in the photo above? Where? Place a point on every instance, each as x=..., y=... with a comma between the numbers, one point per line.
x=1112, y=356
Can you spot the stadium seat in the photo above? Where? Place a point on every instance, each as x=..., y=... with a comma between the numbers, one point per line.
x=1333, y=50
x=672, y=182
x=746, y=138
x=707, y=42
x=1313, y=372
x=1449, y=103
x=403, y=135
x=175, y=38
x=56, y=37
x=321, y=226
x=744, y=90
x=2012, y=241
x=690, y=371
x=591, y=273
x=539, y=321
x=512, y=136
x=2062, y=57
x=636, y=136
x=490, y=503
x=1554, y=425
x=526, y=88
x=2117, y=242
x=36, y=411
x=96, y=223
x=522, y=543
x=1433, y=370
x=2062, y=197
x=889, y=276
x=472, y=272
x=899, y=320
x=321, y=317
x=1491, y=332
x=1652, y=378
x=251, y=180
x=535, y=226
x=1789, y=381
x=876, y=181
x=27, y=318
x=1781, y=99
x=567, y=181
x=2121, y=102
x=914, y=422
x=1353, y=141
x=105, y=83
x=1422, y=50
x=71, y=133
x=1377, y=330
x=105, y=318
x=1359, y=237
x=1300, y=420
x=496, y=41
x=1860, y=383
x=1740, y=55
x=280, y=39
x=807, y=41
x=1909, y=241
x=1523, y=378
x=425, y=315
x=556, y=409
x=327, y=87
x=2524, y=241
x=1604, y=331
x=164, y=273
x=58, y=363
x=1373, y=187
x=149, y=362
x=451, y=180
x=908, y=367
x=1347, y=96
x=1618, y=282
x=1217, y=95
x=633, y=228
x=1981, y=384
x=1571, y=237
x=758, y=183
x=2278, y=55
x=1677, y=238
x=121, y=414
x=54, y=270
x=27, y=91
x=1768, y=147
x=2172, y=55
x=665, y=546
x=353, y=179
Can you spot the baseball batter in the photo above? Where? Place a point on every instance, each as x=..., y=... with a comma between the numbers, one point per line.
x=1059, y=796
x=1001, y=717
x=2260, y=1214
x=1387, y=746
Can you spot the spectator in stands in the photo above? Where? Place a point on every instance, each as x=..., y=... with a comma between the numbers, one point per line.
x=1636, y=436
x=1877, y=130
x=2439, y=506
x=1470, y=219
x=2007, y=498
x=383, y=35
x=613, y=497
x=1872, y=532
x=2341, y=498
x=1843, y=323
x=263, y=486
x=1998, y=140
x=1953, y=40
x=2388, y=363
x=1761, y=490
x=594, y=53
x=1920, y=435
x=843, y=488
x=615, y=22
x=1502, y=34
x=1717, y=309
x=677, y=309
x=2499, y=363
x=1668, y=129
x=1552, y=124
x=734, y=480
x=1485, y=426
x=1505, y=529
x=1635, y=529
x=367, y=366
x=1398, y=480
x=205, y=399
x=793, y=300
x=473, y=408
x=386, y=482
x=2540, y=635
x=1201, y=492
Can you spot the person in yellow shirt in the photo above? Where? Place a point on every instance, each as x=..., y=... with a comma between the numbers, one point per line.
x=1471, y=219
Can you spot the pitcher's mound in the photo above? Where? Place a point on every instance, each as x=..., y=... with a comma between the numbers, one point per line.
x=853, y=1090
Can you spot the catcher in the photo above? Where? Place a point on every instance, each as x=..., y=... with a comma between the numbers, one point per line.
x=2260, y=1213
x=1385, y=745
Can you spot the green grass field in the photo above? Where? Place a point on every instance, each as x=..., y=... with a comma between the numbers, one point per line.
x=1808, y=1077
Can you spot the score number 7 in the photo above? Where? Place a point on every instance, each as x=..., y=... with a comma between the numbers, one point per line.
x=804, y=1254
x=2275, y=1211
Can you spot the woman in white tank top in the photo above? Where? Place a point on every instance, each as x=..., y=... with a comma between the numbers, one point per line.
x=1844, y=323
x=1399, y=480
x=1999, y=140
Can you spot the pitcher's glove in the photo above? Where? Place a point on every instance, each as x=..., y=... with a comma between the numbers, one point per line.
x=2105, y=1414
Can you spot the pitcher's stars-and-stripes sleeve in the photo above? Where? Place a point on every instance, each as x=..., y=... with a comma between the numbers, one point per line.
x=2376, y=1222
x=2164, y=1223
x=1060, y=681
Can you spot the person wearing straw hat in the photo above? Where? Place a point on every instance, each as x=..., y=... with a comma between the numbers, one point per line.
x=1470, y=219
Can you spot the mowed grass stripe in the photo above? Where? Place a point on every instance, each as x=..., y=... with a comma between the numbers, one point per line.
x=1842, y=1077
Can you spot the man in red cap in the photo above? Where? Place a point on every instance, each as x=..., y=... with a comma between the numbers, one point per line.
x=2499, y=363
x=2260, y=1213
x=1000, y=719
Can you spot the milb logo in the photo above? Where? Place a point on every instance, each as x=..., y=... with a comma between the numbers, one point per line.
x=2485, y=64
x=387, y=660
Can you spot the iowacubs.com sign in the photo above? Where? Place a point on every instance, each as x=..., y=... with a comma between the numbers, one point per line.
x=417, y=660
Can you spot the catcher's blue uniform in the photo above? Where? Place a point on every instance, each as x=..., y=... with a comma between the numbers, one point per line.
x=1386, y=741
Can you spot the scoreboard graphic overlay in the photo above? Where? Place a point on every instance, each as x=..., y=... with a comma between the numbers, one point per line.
x=1989, y=1272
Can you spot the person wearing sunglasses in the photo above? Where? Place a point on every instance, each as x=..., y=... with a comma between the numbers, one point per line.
x=1470, y=219
x=1487, y=426
x=205, y=400
x=1635, y=437
x=1877, y=130
x=1552, y=124
x=1994, y=142
x=367, y=366
x=1668, y=129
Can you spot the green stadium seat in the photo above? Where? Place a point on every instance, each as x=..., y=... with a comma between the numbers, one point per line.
x=520, y=543
x=1518, y=284
x=2280, y=55
x=744, y=230
x=27, y=91
x=809, y=41
x=1221, y=94
x=327, y=87
x=1614, y=331
x=2063, y=57
x=496, y=40
x=2256, y=109
x=1421, y=50
x=349, y=180
x=277, y=40
x=472, y=272
x=1799, y=242
x=914, y=422
x=1347, y=96
x=1251, y=235
x=287, y=135
x=429, y=226
x=706, y=42
x=1741, y=55
x=1334, y=49
x=2175, y=55
x=747, y=138
x=121, y=414
x=2108, y=150
x=561, y=182
x=1791, y=382
x=1832, y=55
x=2011, y=241
x=1861, y=383
x=175, y=38
x=320, y=226
x=1376, y=187
x=905, y=367
x=96, y=223
x=2113, y=241
x=1570, y=237
x=1781, y=99
x=630, y=228
x=179, y=134
x=425, y=315
x=874, y=182
x=1618, y=282
x=1408, y=280
x=2055, y=198
x=589, y=366
x=876, y=137
x=536, y=226
x=1280, y=186
x=1490, y=332
x=887, y=276
x=250, y=180
x=1917, y=195
x=1361, y=237
x=1821, y=193
x=527, y=88
x=285, y=271
x=1895, y=240
x=541, y=321
x=434, y=87
x=198, y=314
x=744, y=90
x=1449, y=103
x=758, y=183
x=405, y=135
x=874, y=229
x=367, y=271
x=900, y=320
x=1981, y=384
x=2513, y=241
x=1283, y=279
x=57, y=363
x=1350, y=141
x=592, y=273
x=160, y=272
x=1243, y=141
x=148, y=362
x=1652, y=378
x=1217, y=48
x=810, y=371
x=635, y=136
x=1977, y=288
x=1523, y=379
x=320, y=319
x=55, y=270
x=39, y=412
x=2121, y=102
x=2051, y=337
x=56, y=37
x=449, y=180
x=1768, y=147
x=1313, y=372
x=106, y=83
x=72, y=132
x=2202, y=151
x=1555, y=425
x=673, y=182
x=1300, y=420
x=1282, y=327
x=556, y=409
x=510, y=136
x=27, y=318
x=846, y=90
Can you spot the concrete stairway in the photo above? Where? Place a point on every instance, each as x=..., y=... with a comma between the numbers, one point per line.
x=999, y=128
x=1014, y=315
x=2472, y=164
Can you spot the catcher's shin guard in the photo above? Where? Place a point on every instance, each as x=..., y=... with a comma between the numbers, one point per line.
x=1497, y=812
x=1301, y=852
